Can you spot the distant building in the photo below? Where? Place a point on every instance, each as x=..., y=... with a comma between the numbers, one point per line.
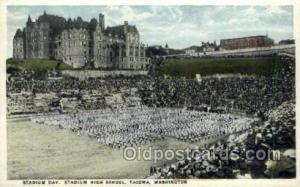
x=208, y=47
x=193, y=50
x=200, y=50
x=287, y=42
x=246, y=42
x=80, y=43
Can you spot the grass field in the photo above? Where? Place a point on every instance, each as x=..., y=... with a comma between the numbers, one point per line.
x=41, y=152
x=37, y=65
x=206, y=67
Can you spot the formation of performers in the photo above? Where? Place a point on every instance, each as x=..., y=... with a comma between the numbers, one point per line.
x=137, y=126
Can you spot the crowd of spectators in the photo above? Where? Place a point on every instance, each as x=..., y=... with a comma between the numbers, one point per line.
x=249, y=94
x=253, y=95
x=275, y=138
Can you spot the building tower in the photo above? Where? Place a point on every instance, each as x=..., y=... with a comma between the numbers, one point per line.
x=99, y=45
x=101, y=21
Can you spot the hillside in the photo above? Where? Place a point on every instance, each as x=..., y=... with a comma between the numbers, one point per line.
x=37, y=65
x=206, y=67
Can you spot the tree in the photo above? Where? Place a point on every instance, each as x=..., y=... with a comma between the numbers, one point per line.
x=70, y=24
x=92, y=24
x=78, y=23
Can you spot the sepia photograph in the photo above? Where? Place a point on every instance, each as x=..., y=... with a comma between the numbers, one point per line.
x=149, y=94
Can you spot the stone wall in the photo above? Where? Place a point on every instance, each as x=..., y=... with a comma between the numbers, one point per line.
x=84, y=74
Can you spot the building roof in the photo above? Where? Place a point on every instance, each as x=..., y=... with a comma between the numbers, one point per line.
x=19, y=34
x=246, y=37
x=120, y=30
x=51, y=19
x=58, y=24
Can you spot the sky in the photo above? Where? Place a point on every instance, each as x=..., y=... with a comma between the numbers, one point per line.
x=178, y=26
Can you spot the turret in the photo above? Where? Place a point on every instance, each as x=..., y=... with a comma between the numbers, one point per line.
x=18, y=33
x=29, y=22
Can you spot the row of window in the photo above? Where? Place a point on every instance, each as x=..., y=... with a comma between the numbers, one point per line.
x=19, y=50
x=70, y=58
x=71, y=36
x=73, y=43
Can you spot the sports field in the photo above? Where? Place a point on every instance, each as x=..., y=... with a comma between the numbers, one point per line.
x=37, y=152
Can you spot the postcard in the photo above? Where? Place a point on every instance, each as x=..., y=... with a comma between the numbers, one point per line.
x=139, y=93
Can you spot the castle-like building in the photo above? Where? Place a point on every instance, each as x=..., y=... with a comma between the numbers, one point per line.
x=80, y=43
